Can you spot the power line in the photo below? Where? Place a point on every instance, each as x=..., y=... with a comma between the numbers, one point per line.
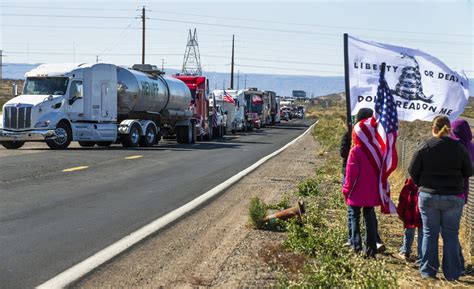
x=246, y=19
x=68, y=16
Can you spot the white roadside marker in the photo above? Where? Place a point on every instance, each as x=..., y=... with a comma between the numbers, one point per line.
x=79, y=270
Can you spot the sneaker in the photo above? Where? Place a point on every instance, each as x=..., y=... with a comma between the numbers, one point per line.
x=381, y=248
x=403, y=256
x=347, y=244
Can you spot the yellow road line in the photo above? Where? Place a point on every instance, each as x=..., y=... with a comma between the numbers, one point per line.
x=133, y=157
x=75, y=169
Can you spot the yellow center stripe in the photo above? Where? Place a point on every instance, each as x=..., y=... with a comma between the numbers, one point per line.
x=133, y=157
x=75, y=169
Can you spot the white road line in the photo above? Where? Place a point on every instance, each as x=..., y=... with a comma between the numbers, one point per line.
x=81, y=269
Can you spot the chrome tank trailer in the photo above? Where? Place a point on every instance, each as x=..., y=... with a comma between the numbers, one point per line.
x=141, y=92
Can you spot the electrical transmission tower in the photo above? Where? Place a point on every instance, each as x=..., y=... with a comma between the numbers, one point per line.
x=192, y=58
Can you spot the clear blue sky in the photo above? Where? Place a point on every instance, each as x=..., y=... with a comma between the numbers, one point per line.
x=283, y=37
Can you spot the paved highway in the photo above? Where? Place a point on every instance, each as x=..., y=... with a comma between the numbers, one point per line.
x=51, y=219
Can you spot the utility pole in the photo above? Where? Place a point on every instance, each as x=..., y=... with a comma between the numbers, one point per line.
x=143, y=35
x=1, y=64
x=232, y=66
x=238, y=79
x=162, y=64
x=73, y=53
x=245, y=81
x=97, y=59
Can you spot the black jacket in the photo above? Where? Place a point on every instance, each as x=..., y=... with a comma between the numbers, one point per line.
x=439, y=165
x=344, y=149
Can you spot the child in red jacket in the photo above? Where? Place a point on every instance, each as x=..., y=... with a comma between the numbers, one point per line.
x=410, y=215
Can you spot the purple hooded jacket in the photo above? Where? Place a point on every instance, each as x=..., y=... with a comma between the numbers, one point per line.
x=461, y=131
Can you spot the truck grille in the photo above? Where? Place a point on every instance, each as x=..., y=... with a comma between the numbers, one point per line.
x=17, y=117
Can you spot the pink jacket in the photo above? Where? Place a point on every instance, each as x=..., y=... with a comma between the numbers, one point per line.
x=360, y=188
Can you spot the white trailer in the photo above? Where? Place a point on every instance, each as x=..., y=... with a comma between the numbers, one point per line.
x=97, y=104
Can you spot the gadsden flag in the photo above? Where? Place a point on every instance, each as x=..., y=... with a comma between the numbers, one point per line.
x=421, y=84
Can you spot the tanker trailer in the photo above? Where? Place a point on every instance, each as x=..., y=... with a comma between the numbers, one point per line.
x=97, y=104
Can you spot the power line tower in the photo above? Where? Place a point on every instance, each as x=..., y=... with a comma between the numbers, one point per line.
x=192, y=58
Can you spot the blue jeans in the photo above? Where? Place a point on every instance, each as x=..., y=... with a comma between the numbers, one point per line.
x=440, y=212
x=370, y=229
x=408, y=241
x=350, y=216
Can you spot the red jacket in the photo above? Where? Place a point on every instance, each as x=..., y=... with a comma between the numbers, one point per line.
x=408, y=205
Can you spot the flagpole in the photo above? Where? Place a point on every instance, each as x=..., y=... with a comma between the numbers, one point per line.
x=348, y=87
x=382, y=70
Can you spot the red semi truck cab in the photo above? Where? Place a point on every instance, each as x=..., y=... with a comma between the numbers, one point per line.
x=199, y=103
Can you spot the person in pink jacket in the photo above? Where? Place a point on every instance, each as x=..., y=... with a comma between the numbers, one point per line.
x=360, y=191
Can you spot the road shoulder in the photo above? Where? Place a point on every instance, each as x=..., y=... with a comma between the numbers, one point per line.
x=215, y=246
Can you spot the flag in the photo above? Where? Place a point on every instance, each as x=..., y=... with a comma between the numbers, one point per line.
x=227, y=98
x=214, y=111
x=377, y=136
x=257, y=99
x=422, y=86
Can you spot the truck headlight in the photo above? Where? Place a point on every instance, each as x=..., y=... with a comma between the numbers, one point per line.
x=44, y=123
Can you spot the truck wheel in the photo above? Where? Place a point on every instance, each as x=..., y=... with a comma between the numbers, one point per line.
x=233, y=131
x=62, y=139
x=86, y=144
x=180, y=134
x=12, y=145
x=149, y=139
x=189, y=134
x=104, y=143
x=132, y=139
x=193, y=131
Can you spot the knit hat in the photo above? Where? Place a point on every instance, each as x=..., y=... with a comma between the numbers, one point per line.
x=363, y=113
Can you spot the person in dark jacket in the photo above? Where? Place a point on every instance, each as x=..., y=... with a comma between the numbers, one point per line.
x=438, y=168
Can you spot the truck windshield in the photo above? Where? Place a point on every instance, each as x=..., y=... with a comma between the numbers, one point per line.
x=46, y=85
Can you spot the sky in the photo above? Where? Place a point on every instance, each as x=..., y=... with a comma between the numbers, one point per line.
x=273, y=37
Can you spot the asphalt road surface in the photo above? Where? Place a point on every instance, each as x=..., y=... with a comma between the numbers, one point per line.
x=51, y=219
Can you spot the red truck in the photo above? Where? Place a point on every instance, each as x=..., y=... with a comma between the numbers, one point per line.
x=199, y=105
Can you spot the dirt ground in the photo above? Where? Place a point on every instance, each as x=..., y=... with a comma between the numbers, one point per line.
x=215, y=246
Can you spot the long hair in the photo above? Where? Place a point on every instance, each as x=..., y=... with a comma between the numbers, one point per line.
x=441, y=126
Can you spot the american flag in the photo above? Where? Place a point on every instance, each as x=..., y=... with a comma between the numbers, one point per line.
x=378, y=135
x=227, y=97
x=214, y=111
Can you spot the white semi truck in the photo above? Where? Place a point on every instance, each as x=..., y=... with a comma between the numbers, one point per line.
x=97, y=104
x=235, y=110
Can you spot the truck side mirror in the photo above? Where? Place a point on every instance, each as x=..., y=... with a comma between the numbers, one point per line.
x=14, y=89
x=72, y=100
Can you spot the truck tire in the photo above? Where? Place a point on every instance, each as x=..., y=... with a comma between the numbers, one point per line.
x=193, y=137
x=86, y=144
x=149, y=139
x=190, y=134
x=63, y=137
x=104, y=143
x=132, y=139
x=12, y=145
x=223, y=131
x=181, y=134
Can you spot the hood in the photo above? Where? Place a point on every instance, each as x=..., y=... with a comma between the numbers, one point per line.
x=461, y=131
x=29, y=99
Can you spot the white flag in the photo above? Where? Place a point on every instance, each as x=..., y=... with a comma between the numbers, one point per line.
x=423, y=86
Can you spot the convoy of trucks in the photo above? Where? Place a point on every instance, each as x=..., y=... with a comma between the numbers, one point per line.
x=101, y=104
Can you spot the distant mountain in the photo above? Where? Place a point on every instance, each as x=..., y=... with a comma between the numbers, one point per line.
x=282, y=84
